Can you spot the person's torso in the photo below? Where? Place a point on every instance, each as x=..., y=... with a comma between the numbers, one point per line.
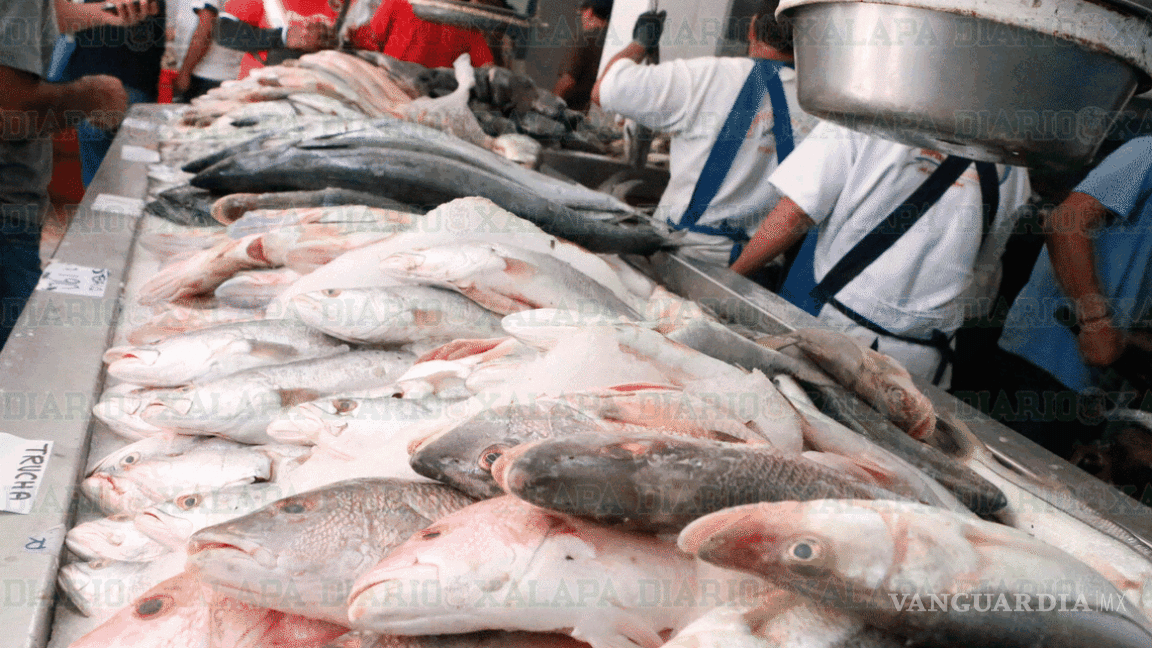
x=219, y=63
x=131, y=54
x=415, y=40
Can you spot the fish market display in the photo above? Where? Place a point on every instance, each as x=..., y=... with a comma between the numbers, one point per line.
x=382, y=384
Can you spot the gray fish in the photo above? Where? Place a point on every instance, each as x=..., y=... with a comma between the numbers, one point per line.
x=661, y=483
x=539, y=126
x=301, y=554
x=464, y=455
x=231, y=207
x=184, y=205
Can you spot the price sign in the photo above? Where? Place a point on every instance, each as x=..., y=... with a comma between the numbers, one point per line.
x=73, y=280
x=22, y=466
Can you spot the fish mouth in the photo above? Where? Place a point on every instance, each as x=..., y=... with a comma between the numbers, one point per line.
x=208, y=547
x=380, y=595
x=455, y=472
x=167, y=530
x=304, y=426
x=734, y=538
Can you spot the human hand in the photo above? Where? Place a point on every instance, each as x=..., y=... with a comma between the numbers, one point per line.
x=106, y=100
x=648, y=28
x=312, y=35
x=1100, y=342
x=130, y=12
x=182, y=82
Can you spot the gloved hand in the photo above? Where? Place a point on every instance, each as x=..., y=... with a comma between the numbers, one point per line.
x=649, y=26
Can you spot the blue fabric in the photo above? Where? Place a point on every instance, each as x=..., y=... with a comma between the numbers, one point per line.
x=61, y=54
x=94, y=142
x=763, y=79
x=801, y=278
x=1122, y=183
x=19, y=273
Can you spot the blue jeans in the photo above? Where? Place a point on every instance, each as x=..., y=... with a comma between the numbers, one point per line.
x=95, y=142
x=19, y=272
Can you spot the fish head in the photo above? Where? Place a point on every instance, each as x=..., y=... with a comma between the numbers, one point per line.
x=305, y=423
x=218, y=406
x=165, y=364
x=177, y=613
x=464, y=455
x=819, y=548
x=332, y=309
x=443, y=575
x=121, y=411
x=171, y=523
x=114, y=538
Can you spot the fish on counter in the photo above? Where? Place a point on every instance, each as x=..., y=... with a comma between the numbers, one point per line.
x=114, y=539
x=505, y=564
x=396, y=314
x=301, y=554
x=658, y=483
x=120, y=408
x=171, y=319
x=241, y=405
x=231, y=208
x=171, y=523
x=884, y=561
x=218, y=351
x=349, y=425
x=254, y=288
x=100, y=588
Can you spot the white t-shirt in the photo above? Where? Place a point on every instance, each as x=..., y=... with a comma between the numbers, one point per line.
x=690, y=99
x=219, y=63
x=848, y=182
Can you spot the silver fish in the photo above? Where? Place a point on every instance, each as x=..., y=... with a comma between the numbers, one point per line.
x=114, y=538
x=171, y=523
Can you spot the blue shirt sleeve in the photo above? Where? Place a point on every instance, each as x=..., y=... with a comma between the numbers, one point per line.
x=1123, y=180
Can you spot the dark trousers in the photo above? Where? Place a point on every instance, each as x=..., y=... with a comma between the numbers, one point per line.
x=19, y=272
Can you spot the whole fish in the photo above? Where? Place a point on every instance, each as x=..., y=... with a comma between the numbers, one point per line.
x=661, y=483
x=505, y=564
x=997, y=587
x=171, y=523
x=463, y=455
x=489, y=639
x=180, y=318
x=121, y=407
x=241, y=406
x=417, y=178
x=232, y=207
x=100, y=588
x=341, y=218
x=506, y=279
x=181, y=612
x=115, y=539
x=350, y=425
x=217, y=351
x=129, y=482
x=254, y=288
x=184, y=205
x=396, y=314
x=302, y=553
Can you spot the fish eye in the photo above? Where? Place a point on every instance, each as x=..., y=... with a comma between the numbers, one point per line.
x=188, y=501
x=150, y=607
x=344, y=405
x=130, y=459
x=805, y=550
x=330, y=292
x=490, y=455
x=428, y=535
x=293, y=507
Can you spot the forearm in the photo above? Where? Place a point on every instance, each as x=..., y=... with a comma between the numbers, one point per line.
x=564, y=85
x=633, y=51
x=1071, y=250
x=785, y=225
x=72, y=17
x=33, y=107
x=239, y=35
x=200, y=43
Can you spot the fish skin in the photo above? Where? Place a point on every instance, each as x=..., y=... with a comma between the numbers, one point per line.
x=349, y=425
x=421, y=179
x=130, y=481
x=395, y=315
x=171, y=523
x=312, y=546
x=463, y=455
x=209, y=353
x=486, y=556
x=659, y=483
x=506, y=279
x=856, y=555
x=120, y=408
x=113, y=538
x=231, y=208
x=255, y=288
x=100, y=588
x=242, y=405
x=487, y=639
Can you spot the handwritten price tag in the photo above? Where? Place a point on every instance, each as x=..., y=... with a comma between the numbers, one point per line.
x=73, y=280
x=22, y=464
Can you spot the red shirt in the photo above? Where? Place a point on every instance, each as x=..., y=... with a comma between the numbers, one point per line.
x=397, y=32
x=252, y=12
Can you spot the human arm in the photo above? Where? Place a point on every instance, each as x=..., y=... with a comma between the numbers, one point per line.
x=198, y=46
x=241, y=36
x=1069, y=231
x=780, y=229
x=31, y=104
x=633, y=51
x=72, y=17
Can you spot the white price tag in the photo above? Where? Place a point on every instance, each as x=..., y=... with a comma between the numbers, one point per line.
x=23, y=463
x=73, y=280
x=134, y=153
x=119, y=204
x=138, y=124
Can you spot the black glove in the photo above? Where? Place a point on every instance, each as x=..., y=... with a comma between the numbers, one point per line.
x=648, y=28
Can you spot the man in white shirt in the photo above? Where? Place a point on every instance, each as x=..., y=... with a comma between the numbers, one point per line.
x=693, y=100
x=917, y=289
x=202, y=63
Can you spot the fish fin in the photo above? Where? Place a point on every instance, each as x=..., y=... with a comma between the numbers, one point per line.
x=627, y=632
x=306, y=258
x=518, y=268
x=272, y=350
x=293, y=397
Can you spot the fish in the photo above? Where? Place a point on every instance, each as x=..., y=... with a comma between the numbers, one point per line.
x=506, y=279
x=184, y=205
x=231, y=208
x=396, y=314
x=463, y=455
x=487, y=639
x=100, y=588
x=240, y=406
x=882, y=559
x=254, y=288
x=113, y=538
x=171, y=523
x=181, y=612
x=131, y=480
x=301, y=554
x=340, y=218
x=882, y=382
x=658, y=483
x=502, y=563
x=421, y=179
x=349, y=425
x=217, y=351
x=721, y=342
x=120, y=408
x=180, y=318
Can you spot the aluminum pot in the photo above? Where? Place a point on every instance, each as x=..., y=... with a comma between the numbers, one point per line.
x=960, y=83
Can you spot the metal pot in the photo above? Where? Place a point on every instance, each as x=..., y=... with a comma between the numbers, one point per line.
x=963, y=83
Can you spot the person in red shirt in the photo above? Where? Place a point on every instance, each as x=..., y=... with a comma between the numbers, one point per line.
x=310, y=23
x=396, y=31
